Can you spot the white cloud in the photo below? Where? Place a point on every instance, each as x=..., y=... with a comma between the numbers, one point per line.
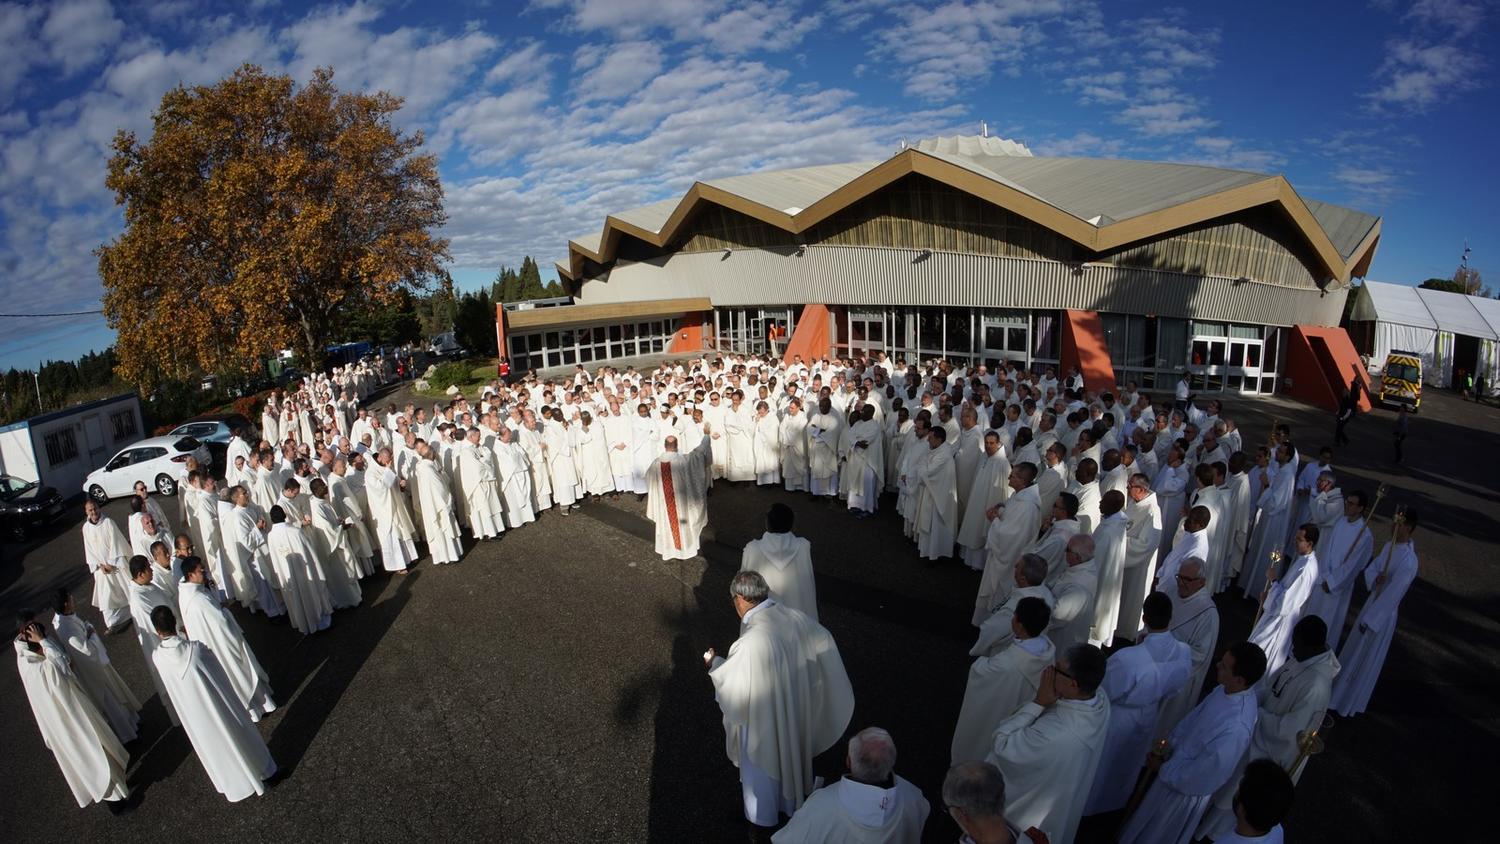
x=729, y=26
x=957, y=44
x=1165, y=117
x=1457, y=17
x=1373, y=187
x=528, y=63
x=79, y=32
x=616, y=70
x=1219, y=151
x=1081, y=144
x=1416, y=77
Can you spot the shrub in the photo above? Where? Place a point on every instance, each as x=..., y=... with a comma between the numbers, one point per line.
x=448, y=374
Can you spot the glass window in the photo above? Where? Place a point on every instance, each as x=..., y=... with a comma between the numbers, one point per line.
x=1216, y=353
x=960, y=331
x=123, y=423
x=614, y=332
x=1172, y=343
x=1245, y=332
x=1252, y=355
x=1236, y=354
x=1016, y=340
x=1045, y=342
x=930, y=329
x=1200, y=353
x=994, y=337
x=61, y=447
x=1208, y=329
x=585, y=354
x=569, y=356
x=1114, y=335
x=552, y=340
x=1273, y=345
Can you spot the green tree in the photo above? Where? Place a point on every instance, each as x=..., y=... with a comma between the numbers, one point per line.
x=531, y=280
x=474, y=326
x=1447, y=285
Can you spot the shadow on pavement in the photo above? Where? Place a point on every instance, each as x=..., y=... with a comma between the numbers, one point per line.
x=319, y=668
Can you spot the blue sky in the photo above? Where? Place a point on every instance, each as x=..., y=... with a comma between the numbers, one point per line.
x=546, y=115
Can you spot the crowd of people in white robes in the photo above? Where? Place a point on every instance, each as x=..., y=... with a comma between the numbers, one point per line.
x=1097, y=522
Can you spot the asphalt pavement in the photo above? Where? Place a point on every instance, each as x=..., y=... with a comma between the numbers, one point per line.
x=549, y=687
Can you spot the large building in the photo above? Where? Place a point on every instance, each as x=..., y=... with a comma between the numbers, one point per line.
x=973, y=249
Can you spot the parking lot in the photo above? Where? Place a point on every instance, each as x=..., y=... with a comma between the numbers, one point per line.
x=549, y=686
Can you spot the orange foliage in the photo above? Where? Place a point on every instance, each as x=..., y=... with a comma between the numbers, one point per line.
x=254, y=214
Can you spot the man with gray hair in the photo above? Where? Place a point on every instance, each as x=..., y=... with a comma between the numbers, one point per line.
x=869, y=804
x=974, y=794
x=785, y=697
x=995, y=633
x=1073, y=612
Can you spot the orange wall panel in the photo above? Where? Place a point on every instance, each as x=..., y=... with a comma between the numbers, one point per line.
x=810, y=337
x=1321, y=362
x=688, y=337
x=1083, y=346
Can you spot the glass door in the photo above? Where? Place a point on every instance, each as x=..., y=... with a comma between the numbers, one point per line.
x=1244, y=366
x=1005, y=337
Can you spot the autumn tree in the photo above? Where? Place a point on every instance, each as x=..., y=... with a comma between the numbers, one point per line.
x=258, y=214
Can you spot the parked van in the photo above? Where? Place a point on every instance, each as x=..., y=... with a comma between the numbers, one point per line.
x=1401, y=380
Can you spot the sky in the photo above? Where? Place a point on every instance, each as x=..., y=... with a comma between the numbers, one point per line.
x=547, y=115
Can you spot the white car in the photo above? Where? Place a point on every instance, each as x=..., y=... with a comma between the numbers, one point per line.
x=157, y=462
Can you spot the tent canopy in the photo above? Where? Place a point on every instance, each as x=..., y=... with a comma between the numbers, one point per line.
x=1434, y=310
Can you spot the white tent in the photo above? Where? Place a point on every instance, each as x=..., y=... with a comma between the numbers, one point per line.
x=1425, y=322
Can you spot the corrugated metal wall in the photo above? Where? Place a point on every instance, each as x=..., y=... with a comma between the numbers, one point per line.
x=862, y=275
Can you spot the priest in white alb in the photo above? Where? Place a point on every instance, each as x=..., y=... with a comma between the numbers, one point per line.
x=1388, y=576
x=1049, y=749
x=1287, y=599
x=870, y=804
x=996, y=632
x=515, y=477
x=440, y=525
x=226, y=741
x=1012, y=527
x=1142, y=543
x=1137, y=679
x=936, y=522
x=1111, y=545
x=785, y=561
x=91, y=758
x=864, y=461
x=999, y=685
x=678, y=498
x=145, y=597
x=1200, y=754
x=785, y=698
x=299, y=575
x=1195, y=622
x=89, y=660
x=990, y=487
x=823, y=430
x=1293, y=702
x=1343, y=550
x=476, y=470
x=205, y=620
x=107, y=554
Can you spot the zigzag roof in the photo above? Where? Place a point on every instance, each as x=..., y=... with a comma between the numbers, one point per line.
x=1101, y=204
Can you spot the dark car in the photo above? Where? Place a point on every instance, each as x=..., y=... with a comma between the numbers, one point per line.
x=26, y=505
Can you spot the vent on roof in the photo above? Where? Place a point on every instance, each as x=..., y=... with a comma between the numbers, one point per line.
x=973, y=145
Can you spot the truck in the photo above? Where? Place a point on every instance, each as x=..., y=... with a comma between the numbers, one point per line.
x=1401, y=380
